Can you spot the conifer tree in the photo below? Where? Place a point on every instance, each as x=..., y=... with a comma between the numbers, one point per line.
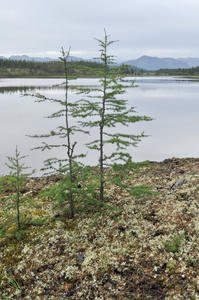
x=17, y=178
x=109, y=112
x=68, y=165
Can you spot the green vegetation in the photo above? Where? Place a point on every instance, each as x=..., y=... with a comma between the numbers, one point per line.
x=107, y=112
x=174, y=244
x=16, y=180
x=190, y=72
x=69, y=165
x=81, y=68
x=104, y=113
x=23, y=68
x=13, y=282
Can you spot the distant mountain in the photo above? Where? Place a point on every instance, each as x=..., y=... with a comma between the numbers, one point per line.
x=145, y=62
x=155, y=63
x=38, y=59
x=191, y=61
x=26, y=57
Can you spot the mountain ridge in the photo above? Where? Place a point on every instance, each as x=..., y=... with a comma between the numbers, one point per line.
x=38, y=59
x=148, y=63
x=155, y=63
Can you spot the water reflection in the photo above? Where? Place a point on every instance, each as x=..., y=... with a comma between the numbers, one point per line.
x=33, y=89
x=24, y=89
x=173, y=104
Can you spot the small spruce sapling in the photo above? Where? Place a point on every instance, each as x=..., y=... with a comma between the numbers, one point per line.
x=108, y=112
x=17, y=178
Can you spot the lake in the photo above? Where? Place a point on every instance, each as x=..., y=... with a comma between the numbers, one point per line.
x=172, y=102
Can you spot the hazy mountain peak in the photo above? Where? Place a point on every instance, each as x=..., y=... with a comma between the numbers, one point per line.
x=38, y=59
x=155, y=63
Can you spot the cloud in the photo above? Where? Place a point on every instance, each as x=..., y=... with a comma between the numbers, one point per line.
x=160, y=27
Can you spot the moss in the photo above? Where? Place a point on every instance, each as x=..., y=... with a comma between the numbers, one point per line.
x=174, y=244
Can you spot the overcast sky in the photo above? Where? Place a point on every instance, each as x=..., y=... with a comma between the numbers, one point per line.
x=163, y=28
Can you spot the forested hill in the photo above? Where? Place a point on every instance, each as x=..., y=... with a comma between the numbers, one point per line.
x=24, y=68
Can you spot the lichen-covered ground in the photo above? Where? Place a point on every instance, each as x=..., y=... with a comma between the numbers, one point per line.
x=150, y=252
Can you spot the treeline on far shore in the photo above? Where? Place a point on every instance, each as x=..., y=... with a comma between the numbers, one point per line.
x=20, y=68
x=82, y=68
x=24, y=68
x=190, y=72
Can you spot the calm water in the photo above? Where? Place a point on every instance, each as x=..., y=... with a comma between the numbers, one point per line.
x=172, y=102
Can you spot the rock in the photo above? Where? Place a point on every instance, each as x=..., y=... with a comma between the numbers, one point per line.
x=178, y=183
x=182, y=171
x=80, y=257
